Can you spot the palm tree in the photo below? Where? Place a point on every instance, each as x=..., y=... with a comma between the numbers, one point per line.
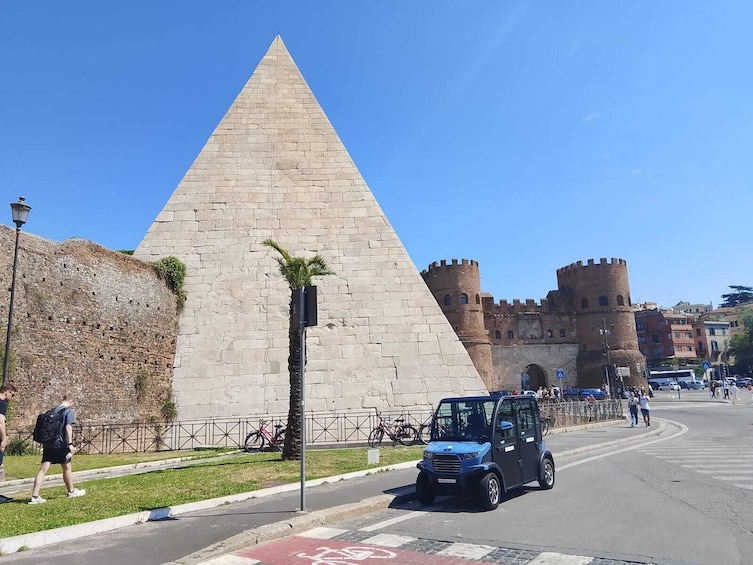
x=298, y=271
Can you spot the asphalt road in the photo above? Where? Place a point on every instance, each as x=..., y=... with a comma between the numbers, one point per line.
x=685, y=497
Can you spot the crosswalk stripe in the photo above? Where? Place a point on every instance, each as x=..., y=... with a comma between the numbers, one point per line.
x=466, y=550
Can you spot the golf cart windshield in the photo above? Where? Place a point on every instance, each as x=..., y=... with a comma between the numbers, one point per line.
x=463, y=420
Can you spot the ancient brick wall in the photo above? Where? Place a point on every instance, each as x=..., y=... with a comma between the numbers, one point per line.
x=88, y=320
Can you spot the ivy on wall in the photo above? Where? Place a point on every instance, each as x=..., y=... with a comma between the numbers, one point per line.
x=173, y=271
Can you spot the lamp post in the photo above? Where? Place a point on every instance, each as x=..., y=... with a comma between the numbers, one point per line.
x=604, y=333
x=20, y=212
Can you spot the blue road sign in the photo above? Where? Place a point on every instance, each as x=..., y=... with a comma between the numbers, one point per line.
x=706, y=365
x=560, y=374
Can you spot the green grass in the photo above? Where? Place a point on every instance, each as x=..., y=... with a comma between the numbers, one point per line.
x=107, y=498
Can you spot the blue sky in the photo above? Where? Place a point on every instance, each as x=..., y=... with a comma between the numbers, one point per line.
x=525, y=135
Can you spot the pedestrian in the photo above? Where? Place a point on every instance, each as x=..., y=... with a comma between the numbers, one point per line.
x=633, y=404
x=7, y=391
x=712, y=388
x=726, y=389
x=735, y=392
x=59, y=451
x=645, y=408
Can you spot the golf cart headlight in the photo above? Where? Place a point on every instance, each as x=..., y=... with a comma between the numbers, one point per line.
x=428, y=455
x=473, y=455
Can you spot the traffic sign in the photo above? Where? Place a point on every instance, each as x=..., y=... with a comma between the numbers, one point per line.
x=560, y=374
x=706, y=365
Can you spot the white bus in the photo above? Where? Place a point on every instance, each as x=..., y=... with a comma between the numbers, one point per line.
x=657, y=377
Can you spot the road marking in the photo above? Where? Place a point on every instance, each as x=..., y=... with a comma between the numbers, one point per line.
x=389, y=540
x=391, y=521
x=467, y=550
x=683, y=430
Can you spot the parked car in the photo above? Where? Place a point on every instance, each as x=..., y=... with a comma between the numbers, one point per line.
x=694, y=385
x=669, y=386
x=743, y=382
x=597, y=393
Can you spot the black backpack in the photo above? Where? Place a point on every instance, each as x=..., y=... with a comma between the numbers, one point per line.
x=50, y=426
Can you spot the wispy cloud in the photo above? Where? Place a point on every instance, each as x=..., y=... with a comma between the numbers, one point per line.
x=592, y=116
x=635, y=171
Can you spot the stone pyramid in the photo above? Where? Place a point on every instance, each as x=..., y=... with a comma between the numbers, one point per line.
x=275, y=168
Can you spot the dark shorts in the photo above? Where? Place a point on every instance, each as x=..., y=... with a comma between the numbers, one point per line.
x=644, y=411
x=54, y=455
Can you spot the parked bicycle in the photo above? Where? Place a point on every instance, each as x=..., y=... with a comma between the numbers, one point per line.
x=263, y=438
x=397, y=431
x=547, y=422
x=424, y=433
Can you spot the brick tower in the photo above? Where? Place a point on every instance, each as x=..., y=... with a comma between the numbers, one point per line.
x=457, y=289
x=599, y=296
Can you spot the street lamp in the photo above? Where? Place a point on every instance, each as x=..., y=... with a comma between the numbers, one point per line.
x=20, y=212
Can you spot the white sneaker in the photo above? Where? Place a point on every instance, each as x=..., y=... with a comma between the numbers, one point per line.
x=76, y=492
x=37, y=500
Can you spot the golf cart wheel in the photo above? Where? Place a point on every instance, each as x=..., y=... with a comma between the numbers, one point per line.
x=490, y=491
x=547, y=474
x=424, y=489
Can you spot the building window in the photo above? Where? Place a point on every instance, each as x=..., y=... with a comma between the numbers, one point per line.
x=689, y=335
x=497, y=335
x=584, y=303
x=698, y=331
x=447, y=300
x=478, y=299
x=562, y=333
x=724, y=331
x=714, y=346
x=661, y=323
x=640, y=326
x=712, y=331
x=672, y=349
x=510, y=335
x=641, y=339
x=620, y=300
x=463, y=299
x=655, y=338
x=690, y=348
x=603, y=301
x=677, y=335
x=657, y=350
x=549, y=333
x=700, y=346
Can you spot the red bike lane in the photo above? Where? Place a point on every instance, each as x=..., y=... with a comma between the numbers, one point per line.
x=306, y=551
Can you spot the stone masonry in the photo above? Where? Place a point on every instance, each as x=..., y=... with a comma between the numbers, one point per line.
x=275, y=168
x=90, y=321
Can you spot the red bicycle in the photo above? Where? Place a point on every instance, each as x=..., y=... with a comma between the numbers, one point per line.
x=261, y=439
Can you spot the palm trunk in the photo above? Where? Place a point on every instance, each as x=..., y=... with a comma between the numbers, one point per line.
x=292, y=446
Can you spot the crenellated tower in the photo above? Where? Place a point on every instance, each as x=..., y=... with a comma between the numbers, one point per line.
x=456, y=286
x=598, y=294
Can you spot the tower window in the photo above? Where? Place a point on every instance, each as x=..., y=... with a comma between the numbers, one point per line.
x=463, y=299
x=584, y=303
x=620, y=300
x=447, y=300
x=549, y=333
x=510, y=335
x=603, y=301
x=478, y=299
x=562, y=333
x=497, y=335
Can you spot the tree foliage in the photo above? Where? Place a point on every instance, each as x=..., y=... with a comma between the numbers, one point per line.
x=740, y=295
x=741, y=345
x=298, y=272
x=173, y=271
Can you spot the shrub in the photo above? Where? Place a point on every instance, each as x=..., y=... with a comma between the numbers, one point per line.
x=20, y=446
x=173, y=271
x=169, y=410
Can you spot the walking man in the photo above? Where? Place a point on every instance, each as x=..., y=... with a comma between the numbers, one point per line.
x=645, y=408
x=633, y=404
x=735, y=392
x=7, y=391
x=59, y=451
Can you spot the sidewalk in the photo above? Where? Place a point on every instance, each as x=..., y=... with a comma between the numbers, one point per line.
x=328, y=500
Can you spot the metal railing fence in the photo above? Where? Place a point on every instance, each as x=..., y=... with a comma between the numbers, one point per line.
x=325, y=429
